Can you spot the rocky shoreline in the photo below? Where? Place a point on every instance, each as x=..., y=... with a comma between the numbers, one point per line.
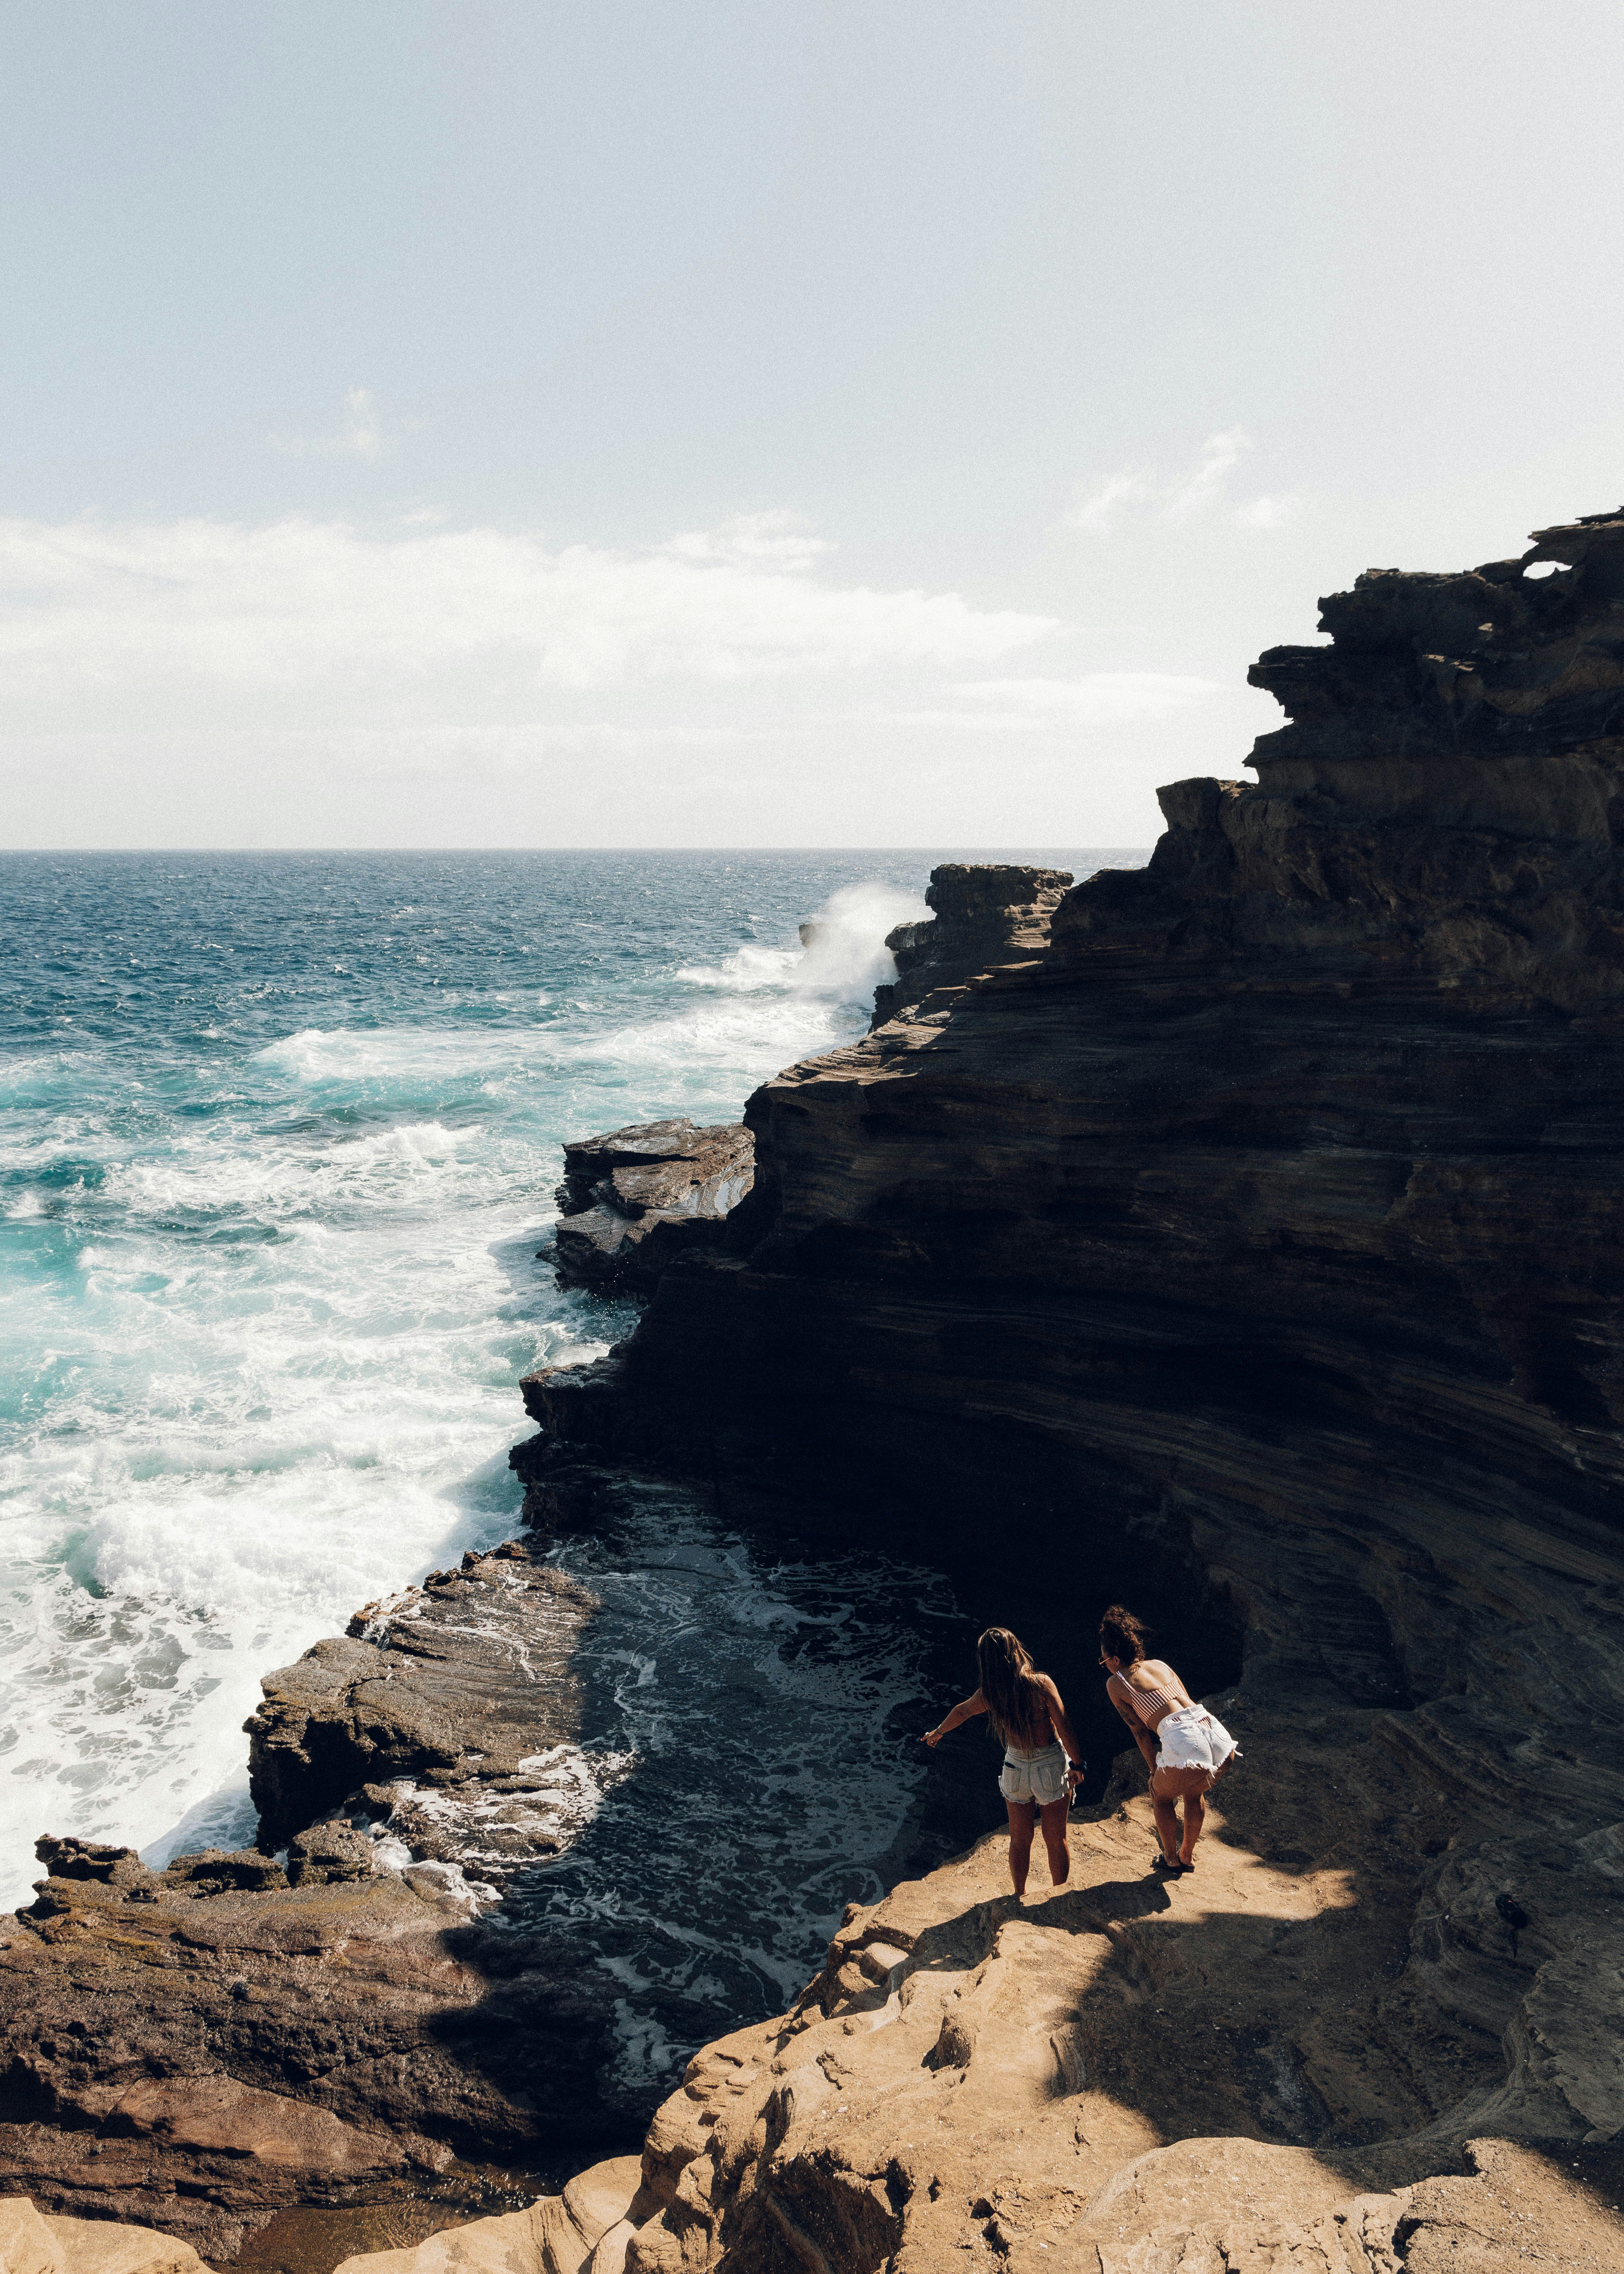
x=1240, y=1235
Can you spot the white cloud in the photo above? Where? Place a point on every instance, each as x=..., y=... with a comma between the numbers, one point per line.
x=1267, y=513
x=280, y=623
x=1147, y=495
x=1098, y=513
x=1220, y=456
x=752, y=540
x=1099, y=698
x=360, y=436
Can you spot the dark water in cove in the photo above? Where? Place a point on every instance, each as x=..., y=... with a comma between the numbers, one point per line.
x=278, y=1138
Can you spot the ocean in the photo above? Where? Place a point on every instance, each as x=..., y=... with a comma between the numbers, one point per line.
x=278, y=1141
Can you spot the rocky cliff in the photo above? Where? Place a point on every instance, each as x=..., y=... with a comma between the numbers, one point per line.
x=1259, y=1238
x=1238, y=1236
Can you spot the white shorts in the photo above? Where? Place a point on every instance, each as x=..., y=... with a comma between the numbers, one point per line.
x=1037, y=1777
x=1192, y=1738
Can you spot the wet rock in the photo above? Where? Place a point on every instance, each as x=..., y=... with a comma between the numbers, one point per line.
x=443, y=1708
x=987, y=913
x=635, y=1199
x=195, y=2062
x=214, y=1872
x=198, y=2048
x=328, y=1853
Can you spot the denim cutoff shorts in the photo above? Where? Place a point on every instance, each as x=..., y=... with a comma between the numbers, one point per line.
x=1039, y=1777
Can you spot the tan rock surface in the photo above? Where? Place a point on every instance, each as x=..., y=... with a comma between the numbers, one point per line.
x=99, y=2246
x=512, y=2244
x=30, y=2244
x=582, y=2231
x=972, y=2080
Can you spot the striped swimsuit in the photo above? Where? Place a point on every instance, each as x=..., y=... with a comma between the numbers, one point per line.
x=1189, y=1736
x=1147, y=1704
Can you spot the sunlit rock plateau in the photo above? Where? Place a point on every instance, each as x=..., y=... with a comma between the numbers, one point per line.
x=1239, y=1236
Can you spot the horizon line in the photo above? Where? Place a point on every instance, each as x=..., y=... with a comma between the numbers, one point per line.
x=20, y=852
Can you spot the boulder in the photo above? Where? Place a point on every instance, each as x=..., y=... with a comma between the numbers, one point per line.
x=633, y=1200
x=329, y=1852
x=582, y=2231
x=217, y=1871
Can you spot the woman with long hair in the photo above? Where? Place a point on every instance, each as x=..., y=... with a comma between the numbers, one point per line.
x=1040, y=1756
x=1187, y=1747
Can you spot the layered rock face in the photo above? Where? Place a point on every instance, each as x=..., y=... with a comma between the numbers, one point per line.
x=987, y=914
x=633, y=1200
x=1260, y=1236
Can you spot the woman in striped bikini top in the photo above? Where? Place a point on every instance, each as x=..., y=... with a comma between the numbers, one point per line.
x=1191, y=1751
x=1148, y=1695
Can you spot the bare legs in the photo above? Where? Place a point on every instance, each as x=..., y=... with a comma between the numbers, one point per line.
x=1025, y=1816
x=1195, y=1817
x=1168, y=1788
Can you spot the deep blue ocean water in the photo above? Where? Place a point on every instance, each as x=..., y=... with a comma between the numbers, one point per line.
x=278, y=1140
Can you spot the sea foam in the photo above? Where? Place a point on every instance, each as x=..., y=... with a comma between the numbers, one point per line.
x=269, y=1225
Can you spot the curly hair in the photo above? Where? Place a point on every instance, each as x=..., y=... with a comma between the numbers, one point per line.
x=1122, y=1635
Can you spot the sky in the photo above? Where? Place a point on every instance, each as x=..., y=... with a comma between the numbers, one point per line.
x=757, y=422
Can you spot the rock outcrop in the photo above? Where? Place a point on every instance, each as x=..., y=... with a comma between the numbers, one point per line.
x=635, y=1199
x=443, y=1718
x=200, y=2047
x=194, y=2061
x=1261, y=1236
x=987, y=913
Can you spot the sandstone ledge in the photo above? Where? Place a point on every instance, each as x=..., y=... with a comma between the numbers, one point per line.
x=970, y=2080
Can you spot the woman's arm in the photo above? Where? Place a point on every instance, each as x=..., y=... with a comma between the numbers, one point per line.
x=967, y=1709
x=1141, y=1735
x=1064, y=1730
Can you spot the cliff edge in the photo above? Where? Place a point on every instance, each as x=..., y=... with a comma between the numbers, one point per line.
x=1260, y=1236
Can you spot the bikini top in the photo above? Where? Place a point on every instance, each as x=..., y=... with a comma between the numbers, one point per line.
x=1149, y=1705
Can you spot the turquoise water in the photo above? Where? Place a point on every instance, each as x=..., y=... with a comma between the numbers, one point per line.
x=278, y=1138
